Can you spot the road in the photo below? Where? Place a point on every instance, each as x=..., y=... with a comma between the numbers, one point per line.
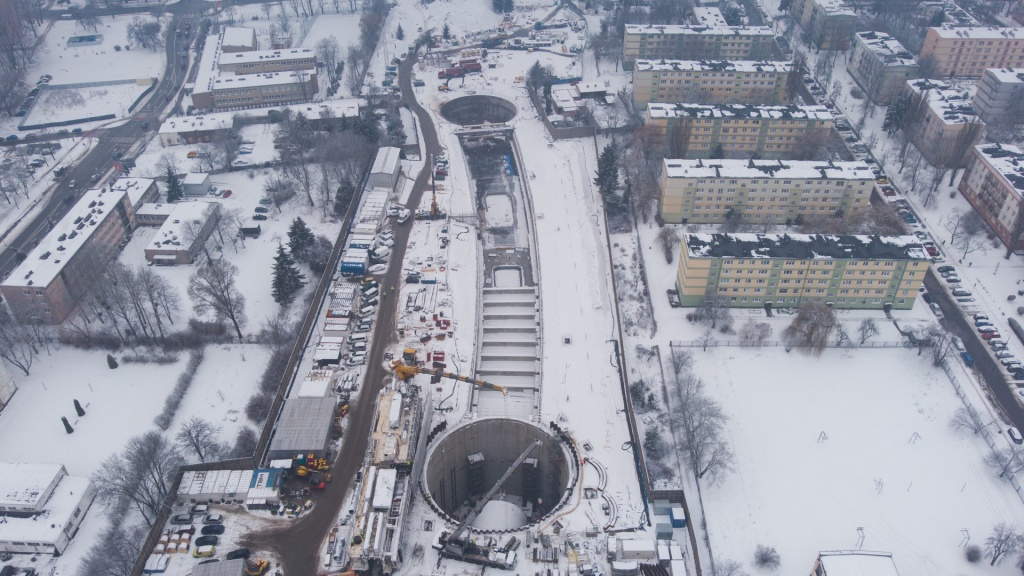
x=985, y=364
x=90, y=170
x=297, y=544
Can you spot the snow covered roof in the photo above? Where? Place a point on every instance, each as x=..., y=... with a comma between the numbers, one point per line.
x=708, y=16
x=295, y=54
x=386, y=161
x=229, y=81
x=206, y=70
x=948, y=103
x=714, y=66
x=777, y=169
x=238, y=36
x=155, y=209
x=978, y=32
x=210, y=482
x=172, y=234
x=193, y=178
x=833, y=7
x=803, y=246
x=687, y=110
x=26, y=485
x=1007, y=75
x=66, y=238
x=888, y=49
x=179, y=124
x=234, y=567
x=858, y=563
x=1005, y=159
x=134, y=187
x=57, y=512
x=304, y=425
x=409, y=125
x=665, y=29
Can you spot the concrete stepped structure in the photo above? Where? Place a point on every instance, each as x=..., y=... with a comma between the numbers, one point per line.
x=509, y=352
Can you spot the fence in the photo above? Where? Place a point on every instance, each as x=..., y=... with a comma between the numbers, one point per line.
x=985, y=433
x=103, y=117
x=560, y=133
x=701, y=343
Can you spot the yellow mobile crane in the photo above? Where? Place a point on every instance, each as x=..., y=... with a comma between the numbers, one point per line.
x=405, y=372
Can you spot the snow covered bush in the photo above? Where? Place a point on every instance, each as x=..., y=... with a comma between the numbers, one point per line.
x=973, y=553
x=173, y=401
x=766, y=557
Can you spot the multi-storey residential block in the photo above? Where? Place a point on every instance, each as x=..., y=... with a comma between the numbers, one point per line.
x=828, y=22
x=768, y=191
x=707, y=16
x=57, y=273
x=711, y=82
x=1000, y=95
x=948, y=126
x=682, y=42
x=785, y=270
x=742, y=130
x=880, y=65
x=969, y=50
x=993, y=183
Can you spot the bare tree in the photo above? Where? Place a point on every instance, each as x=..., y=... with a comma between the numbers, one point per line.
x=115, y=553
x=702, y=422
x=200, y=437
x=212, y=289
x=941, y=343
x=327, y=53
x=729, y=567
x=140, y=476
x=669, y=240
x=145, y=33
x=245, y=443
x=681, y=360
x=811, y=328
x=1005, y=540
x=210, y=157
x=968, y=418
x=965, y=227
x=754, y=333
x=867, y=329
x=714, y=311
x=707, y=339
x=16, y=344
x=1007, y=461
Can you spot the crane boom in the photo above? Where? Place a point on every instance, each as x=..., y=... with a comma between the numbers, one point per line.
x=457, y=534
x=405, y=372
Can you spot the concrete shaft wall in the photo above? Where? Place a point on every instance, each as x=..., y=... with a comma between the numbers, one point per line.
x=473, y=110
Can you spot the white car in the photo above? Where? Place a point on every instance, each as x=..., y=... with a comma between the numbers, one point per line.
x=377, y=269
x=404, y=216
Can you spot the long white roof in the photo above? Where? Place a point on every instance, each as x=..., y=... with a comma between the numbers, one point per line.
x=266, y=56
x=702, y=30
x=239, y=36
x=714, y=65
x=228, y=81
x=858, y=564
x=948, y=103
x=888, y=49
x=172, y=234
x=57, y=513
x=777, y=169
x=23, y=485
x=979, y=32
x=739, y=111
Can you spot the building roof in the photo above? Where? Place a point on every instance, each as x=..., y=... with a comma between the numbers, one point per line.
x=1006, y=75
x=46, y=260
x=231, y=81
x=223, y=568
x=708, y=16
x=179, y=124
x=24, y=485
x=155, y=209
x=946, y=102
x=239, y=36
x=253, y=56
x=804, y=246
x=1007, y=160
x=858, y=563
x=173, y=234
x=888, y=49
x=195, y=178
x=210, y=482
x=979, y=32
x=835, y=7
x=304, y=425
x=206, y=70
x=752, y=111
x=778, y=169
x=664, y=29
x=134, y=187
x=57, y=512
x=386, y=161
x=714, y=66
x=343, y=108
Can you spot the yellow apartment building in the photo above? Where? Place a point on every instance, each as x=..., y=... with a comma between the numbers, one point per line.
x=969, y=50
x=697, y=42
x=711, y=82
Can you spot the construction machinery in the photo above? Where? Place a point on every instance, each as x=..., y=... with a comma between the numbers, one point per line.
x=256, y=567
x=459, y=546
x=405, y=372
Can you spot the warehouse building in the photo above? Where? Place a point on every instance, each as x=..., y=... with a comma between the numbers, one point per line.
x=761, y=191
x=303, y=428
x=214, y=486
x=785, y=270
x=1000, y=95
x=41, y=507
x=829, y=23
x=60, y=270
x=993, y=183
x=949, y=126
x=386, y=169
x=686, y=130
x=969, y=50
x=686, y=42
x=711, y=82
x=880, y=65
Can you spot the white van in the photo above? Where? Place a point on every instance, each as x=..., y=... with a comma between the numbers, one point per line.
x=367, y=311
x=381, y=252
x=357, y=346
x=358, y=338
x=370, y=293
x=404, y=216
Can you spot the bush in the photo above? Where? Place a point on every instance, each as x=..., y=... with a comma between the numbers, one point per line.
x=973, y=553
x=213, y=328
x=271, y=379
x=111, y=362
x=158, y=359
x=766, y=557
x=245, y=443
x=173, y=401
x=258, y=407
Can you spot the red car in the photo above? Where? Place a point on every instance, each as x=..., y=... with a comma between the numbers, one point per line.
x=226, y=194
x=990, y=335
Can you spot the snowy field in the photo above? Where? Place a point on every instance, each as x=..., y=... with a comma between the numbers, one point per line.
x=95, y=63
x=58, y=104
x=848, y=440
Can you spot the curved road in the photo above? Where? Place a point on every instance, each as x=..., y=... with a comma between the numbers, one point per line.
x=298, y=543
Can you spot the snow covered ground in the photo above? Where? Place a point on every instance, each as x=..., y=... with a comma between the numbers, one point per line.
x=63, y=104
x=95, y=63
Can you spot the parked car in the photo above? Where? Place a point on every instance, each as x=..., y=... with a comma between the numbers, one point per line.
x=226, y=194
x=1007, y=361
x=986, y=328
x=928, y=298
x=206, y=541
x=213, y=519
x=239, y=553
x=179, y=519
x=259, y=216
x=204, y=551
x=1004, y=354
x=976, y=316
x=266, y=202
x=953, y=280
x=213, y=529
x=961, y=292
x=990, y=335
x=1014, y=435
x=936, y=310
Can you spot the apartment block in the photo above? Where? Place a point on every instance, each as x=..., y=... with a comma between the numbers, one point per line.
x=969, y=50
x=950, y=128
x=692, y=131
x=707, y=16
x=1000, y=95
x=257, y=90
x=711, y=82
x=689, y=42
x=828, y=22
x=786, y=270
x=761, y=191
x=60, y=270
x=880, y=65
x=993, y=183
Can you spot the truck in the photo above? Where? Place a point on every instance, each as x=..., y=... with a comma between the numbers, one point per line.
x=354, y=262
x=450, y=73
x=470, y=67
x=364, y=241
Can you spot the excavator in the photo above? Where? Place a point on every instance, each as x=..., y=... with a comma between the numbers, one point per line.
x=405, y=372
x=457, y=545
